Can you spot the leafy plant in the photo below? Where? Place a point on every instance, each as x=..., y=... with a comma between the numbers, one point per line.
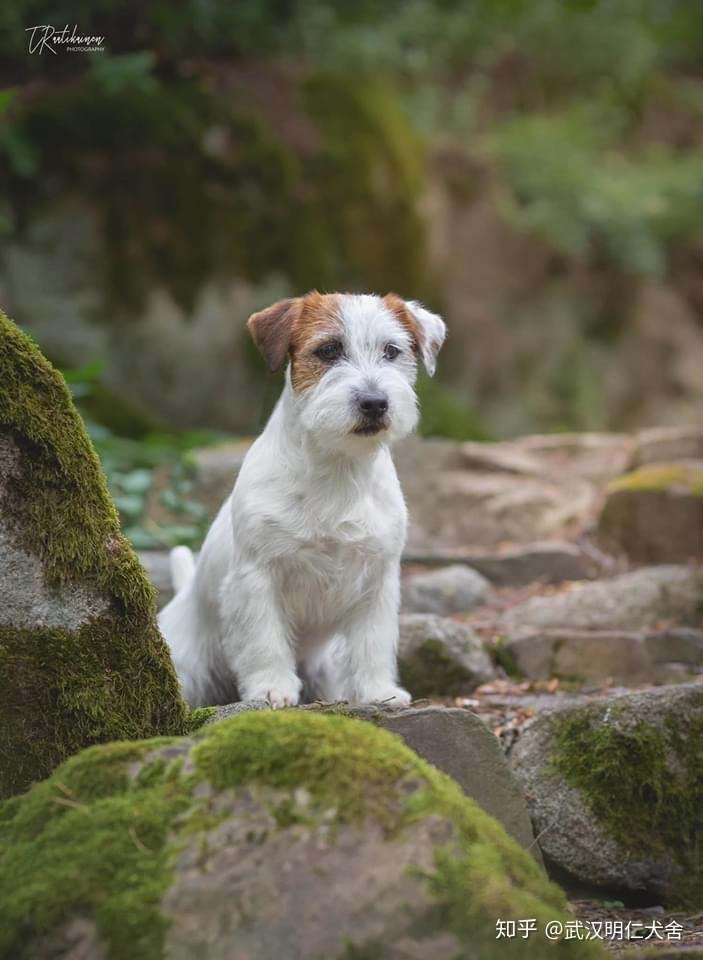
x=131, y=464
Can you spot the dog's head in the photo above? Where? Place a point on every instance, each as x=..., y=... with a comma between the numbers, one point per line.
x=353, y=361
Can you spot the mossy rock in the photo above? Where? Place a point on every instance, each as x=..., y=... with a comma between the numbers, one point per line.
x=615, y=790
x=268, y=834
x=655, y=514
x=81, y=657
x=440, y=657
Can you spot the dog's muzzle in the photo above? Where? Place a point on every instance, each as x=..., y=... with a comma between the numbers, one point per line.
x=373, y=410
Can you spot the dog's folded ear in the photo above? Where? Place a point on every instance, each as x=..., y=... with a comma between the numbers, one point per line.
x=271, y=331
x=428, y=328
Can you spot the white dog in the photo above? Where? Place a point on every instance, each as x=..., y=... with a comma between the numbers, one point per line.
x=299, y=574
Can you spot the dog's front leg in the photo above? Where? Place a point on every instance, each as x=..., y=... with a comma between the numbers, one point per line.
x=367, y=666
x=256, y=642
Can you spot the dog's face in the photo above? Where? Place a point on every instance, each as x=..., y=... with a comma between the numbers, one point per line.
x=353, y=361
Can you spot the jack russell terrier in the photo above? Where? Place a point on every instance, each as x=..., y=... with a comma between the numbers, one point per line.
x=299, y=575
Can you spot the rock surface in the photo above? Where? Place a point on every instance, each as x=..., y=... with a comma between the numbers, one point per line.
x=655, y=514
x=452, y=589
x=441, y=657
x=632, y=601
x=273, y=834
x=623, y=657
x=81, y=658
x=452, y=740
x=615, y=790
x=667, y=444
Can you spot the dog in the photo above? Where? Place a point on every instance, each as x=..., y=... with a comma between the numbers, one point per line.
x=298, y=579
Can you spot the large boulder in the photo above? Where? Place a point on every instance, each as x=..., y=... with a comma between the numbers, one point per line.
x=615, y=790
x=271, y=834
x=485, y=509
x=655, y=513
x=631, y=601
x=453, y=740
x=81, y=658
x=441, y=657
x=452, y=589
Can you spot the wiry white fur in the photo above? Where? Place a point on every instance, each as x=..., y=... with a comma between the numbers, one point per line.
x=298, y=577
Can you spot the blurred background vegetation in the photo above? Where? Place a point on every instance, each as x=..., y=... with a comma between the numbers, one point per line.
x=531, y=168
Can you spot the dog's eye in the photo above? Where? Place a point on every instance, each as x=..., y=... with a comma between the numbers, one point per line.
x=330, y=351
x=390, y=351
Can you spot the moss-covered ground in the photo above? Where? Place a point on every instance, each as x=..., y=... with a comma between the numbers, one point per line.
x=100, y=836
x=113, y=678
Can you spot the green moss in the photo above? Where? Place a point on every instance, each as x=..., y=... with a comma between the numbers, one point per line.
x=502, y=657
x=199, y=717
x=430, y=672
x=447, y=413
x=112, y=678
x=661, y=477
x=93, y=839
x=643, y=782
x=99, y=838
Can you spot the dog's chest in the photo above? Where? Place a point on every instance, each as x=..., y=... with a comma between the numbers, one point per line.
x=338, y=557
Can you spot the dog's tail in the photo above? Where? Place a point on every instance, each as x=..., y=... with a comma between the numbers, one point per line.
x=182, y=567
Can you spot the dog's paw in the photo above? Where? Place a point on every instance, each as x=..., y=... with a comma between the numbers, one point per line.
x=278, y=691
x=391, y=694
x=281, y=698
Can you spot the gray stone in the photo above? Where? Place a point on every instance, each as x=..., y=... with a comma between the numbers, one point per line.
x=624, y=657
x=499, y=458
x=441, y=657
x=452, y=506
x=488, y=509
x=655, y=514
x=641, y=756
x=666, y=444
x=459, y=744
x=81, y=657
x=452, y=589
x=27, y=599
x=591, y=456
x=550, y=561
x=631, y=601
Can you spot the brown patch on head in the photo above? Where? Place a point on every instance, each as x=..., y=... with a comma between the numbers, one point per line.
x=399, y=309
x=318, y=319
x=295, y=328
x=271, y=331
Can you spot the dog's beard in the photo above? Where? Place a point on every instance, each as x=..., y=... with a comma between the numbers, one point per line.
x=330, y=413
x=370, y=428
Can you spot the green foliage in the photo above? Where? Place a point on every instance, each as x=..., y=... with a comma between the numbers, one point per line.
x=131, y=451
x=323, y=184
x=113, y=678
x=445, y=414
x=570, y=183
x=142, y=807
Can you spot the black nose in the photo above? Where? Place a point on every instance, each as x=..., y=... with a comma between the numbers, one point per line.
x=373, y=405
